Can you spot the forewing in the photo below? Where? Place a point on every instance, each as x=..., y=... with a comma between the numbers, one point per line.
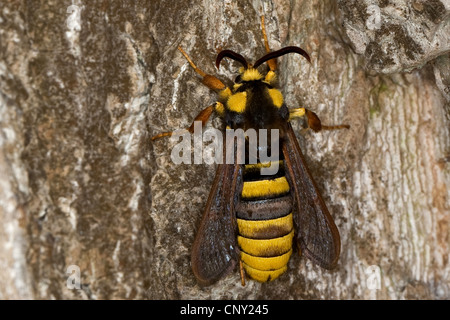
x=317, y=235
x=215, y=251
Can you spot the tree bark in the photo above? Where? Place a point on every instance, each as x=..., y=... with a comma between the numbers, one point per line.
x=85, y=84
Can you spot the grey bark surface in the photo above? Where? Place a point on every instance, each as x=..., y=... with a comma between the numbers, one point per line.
x=85, y=84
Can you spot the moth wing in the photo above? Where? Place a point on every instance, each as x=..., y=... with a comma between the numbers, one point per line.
x=215, y=251
x=316, y=233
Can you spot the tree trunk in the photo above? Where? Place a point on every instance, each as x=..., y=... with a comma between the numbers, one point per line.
x=91, y=208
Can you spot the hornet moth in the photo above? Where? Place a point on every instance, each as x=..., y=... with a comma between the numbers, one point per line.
x=252, y=219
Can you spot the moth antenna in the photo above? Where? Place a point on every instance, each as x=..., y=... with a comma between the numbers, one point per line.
x=281, y=52
x=232, y=55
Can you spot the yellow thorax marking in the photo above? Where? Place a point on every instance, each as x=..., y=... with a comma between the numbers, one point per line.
x=236, y=86
x=251, y=74
x=270, y=77
x=220, y=109
x=225, y=93
x=237, y=102
x=277, y=97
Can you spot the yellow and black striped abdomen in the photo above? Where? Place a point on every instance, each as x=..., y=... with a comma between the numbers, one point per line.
x=265, y=225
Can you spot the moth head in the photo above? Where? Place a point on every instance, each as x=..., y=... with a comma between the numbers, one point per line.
x=248, y=71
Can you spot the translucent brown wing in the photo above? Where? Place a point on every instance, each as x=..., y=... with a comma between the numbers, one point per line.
x=215, y=250
x=316, y=234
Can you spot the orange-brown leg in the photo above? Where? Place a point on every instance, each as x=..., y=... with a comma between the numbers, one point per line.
x=241, y=269
x=316, y=125
x=313, y=120
x=203, y=116
x=211, y=82
x=208, y=80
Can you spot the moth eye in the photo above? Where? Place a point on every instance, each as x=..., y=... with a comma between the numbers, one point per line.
x=238, y=79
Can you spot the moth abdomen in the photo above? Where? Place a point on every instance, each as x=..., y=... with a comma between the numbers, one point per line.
x=265, y=224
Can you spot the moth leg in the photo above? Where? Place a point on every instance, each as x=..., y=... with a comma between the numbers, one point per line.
x=242, y=272
x=313, y=120
x=273, y=62
x=208, y=80
x=211, y=82
x=203, y=116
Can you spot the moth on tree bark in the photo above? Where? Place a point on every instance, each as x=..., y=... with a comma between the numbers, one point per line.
x=84, y=88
